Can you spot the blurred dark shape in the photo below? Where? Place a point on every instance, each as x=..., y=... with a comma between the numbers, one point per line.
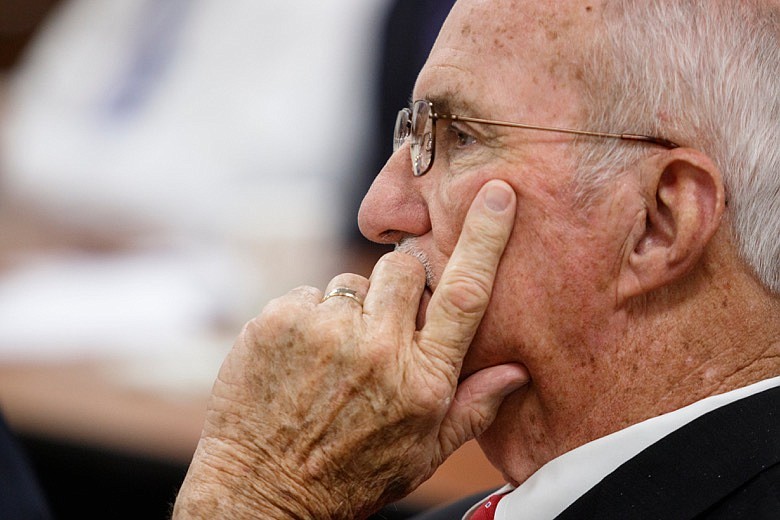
x=408, y=34
x=84, y=481
x=19, y=23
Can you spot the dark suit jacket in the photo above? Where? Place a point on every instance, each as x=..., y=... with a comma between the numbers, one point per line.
x=723, y=465
x=20, y=496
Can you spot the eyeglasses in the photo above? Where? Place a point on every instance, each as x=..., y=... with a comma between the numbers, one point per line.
x=419, y=123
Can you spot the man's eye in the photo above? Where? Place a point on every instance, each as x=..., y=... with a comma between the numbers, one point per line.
x=462, y=139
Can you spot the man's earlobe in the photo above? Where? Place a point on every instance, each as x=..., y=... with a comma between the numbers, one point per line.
x=684, y=207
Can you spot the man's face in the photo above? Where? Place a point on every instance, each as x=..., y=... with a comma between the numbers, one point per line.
x=502, y=60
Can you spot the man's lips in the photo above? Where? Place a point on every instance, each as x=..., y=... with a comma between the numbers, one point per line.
x=423, y=308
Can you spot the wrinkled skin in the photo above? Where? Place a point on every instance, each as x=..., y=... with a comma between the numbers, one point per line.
x=330, y=409
x=575, y=322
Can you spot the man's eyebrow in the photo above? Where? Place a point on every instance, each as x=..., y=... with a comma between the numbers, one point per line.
x=450, y=103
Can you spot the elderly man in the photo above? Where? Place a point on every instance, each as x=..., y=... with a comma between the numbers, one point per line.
x=587, y=280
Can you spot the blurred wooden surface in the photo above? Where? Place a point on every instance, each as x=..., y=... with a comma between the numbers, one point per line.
x=79, y=403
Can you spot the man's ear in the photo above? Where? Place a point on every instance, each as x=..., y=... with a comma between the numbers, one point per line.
x=683, y=208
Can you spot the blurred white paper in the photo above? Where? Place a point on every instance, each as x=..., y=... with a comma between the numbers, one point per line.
x=107, y=306
x=242, y=118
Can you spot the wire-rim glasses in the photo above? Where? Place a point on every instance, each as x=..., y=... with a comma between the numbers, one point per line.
x=419, y=124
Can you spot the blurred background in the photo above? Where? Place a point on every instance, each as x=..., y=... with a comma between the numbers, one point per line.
x=166, y=168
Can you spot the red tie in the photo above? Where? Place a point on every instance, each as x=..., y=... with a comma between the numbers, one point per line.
x=488, y=510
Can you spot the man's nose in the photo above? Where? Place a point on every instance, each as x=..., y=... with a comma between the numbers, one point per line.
x=394, y=206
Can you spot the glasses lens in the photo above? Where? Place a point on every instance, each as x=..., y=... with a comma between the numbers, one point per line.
x=402, y=126
x=422, y=137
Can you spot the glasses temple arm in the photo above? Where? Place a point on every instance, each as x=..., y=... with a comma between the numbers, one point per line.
x=626, y=137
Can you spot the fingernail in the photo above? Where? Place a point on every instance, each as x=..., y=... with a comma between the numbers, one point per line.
x=498, y=197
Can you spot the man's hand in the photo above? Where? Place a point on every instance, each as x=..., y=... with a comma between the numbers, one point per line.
x=331, y=409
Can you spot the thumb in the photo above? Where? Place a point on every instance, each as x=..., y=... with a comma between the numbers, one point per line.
x=476, y=404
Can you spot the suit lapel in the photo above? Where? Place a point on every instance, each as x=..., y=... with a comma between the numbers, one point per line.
x=694, y=467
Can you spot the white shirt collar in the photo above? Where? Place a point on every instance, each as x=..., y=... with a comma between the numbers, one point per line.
x=557, y=484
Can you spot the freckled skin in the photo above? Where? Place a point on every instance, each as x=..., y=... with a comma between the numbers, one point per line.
x=547, y=299
x=543, y=280
x=594, y=362
x=534, y=326
x=544, y=325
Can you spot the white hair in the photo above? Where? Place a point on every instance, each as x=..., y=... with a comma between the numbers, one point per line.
x=705, y=74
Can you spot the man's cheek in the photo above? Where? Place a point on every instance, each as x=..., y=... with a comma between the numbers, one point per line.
x=453, y=219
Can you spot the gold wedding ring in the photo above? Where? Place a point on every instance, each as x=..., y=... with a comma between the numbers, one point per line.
x=343, y=291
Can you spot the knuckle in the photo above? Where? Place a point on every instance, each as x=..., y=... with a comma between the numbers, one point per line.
x=403, y=262
x=276, y=315
x=438, y=363
x=351, y=280
x=287, y=312
x=485, y=238
x=465, y=293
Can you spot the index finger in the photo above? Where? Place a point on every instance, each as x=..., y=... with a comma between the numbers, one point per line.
x=464, y=290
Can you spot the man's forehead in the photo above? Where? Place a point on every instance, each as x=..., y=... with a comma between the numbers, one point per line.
x=505, y=19
x=486, y=46
x=505, y=27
